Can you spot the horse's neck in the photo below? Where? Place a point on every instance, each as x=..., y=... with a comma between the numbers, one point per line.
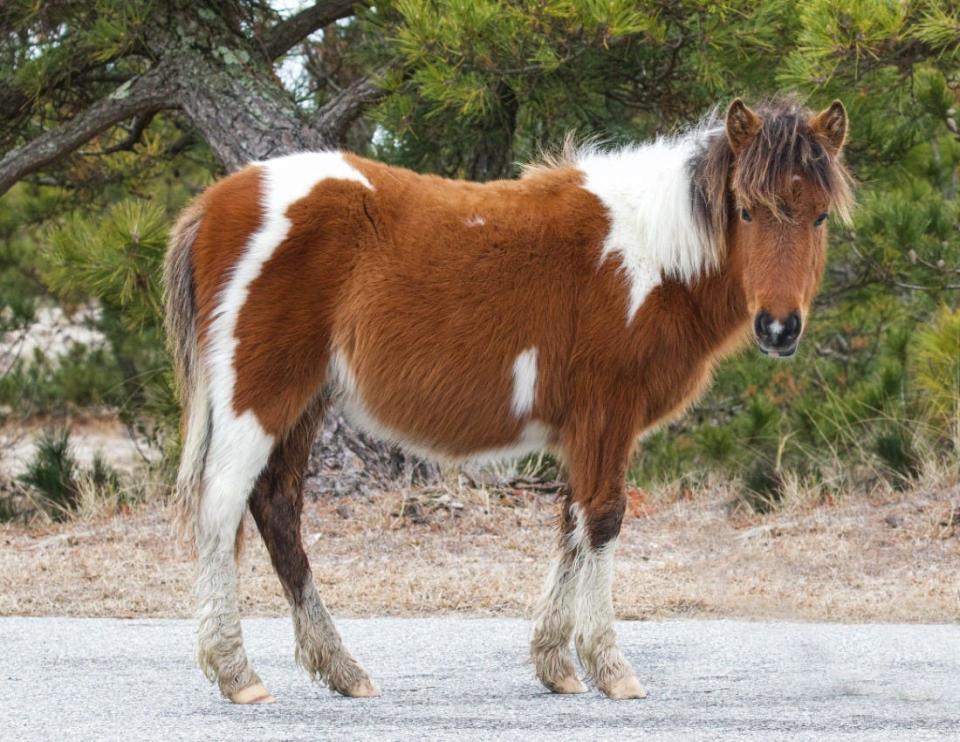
x=722, y=307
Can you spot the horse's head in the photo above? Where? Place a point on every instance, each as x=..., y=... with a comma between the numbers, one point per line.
x=785, y=178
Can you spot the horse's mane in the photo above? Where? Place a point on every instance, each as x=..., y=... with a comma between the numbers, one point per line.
x=785, y=147
x=571, y=150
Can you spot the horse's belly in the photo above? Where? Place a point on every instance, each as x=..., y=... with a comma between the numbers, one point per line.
x=427, y=420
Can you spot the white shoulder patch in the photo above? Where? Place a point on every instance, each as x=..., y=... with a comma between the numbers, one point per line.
x=653, y=231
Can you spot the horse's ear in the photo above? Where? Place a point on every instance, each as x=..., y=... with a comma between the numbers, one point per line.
x=831, y=125
x=742, y=125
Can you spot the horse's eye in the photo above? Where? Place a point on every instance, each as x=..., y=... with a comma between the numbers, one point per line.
x=745, y=215
x=820, y=219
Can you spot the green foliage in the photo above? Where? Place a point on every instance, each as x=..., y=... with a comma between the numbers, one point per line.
x=53, y=473
x=117, y=257
x=102, y=475
x=113, y=256
x=935, y=370
x=59, y=482
x=482, y=84
x=81, y=379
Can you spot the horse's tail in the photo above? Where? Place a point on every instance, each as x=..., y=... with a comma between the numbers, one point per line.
x=181, y=326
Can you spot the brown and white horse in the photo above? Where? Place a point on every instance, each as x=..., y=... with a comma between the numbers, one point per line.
x=572, y=310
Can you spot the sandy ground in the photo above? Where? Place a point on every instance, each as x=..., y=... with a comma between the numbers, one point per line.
x=887, y=557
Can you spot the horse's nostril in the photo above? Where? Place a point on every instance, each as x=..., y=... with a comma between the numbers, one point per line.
x=761, y=324
x=792, y=326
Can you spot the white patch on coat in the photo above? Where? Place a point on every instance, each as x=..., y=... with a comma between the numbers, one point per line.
x=653, y=229
x=524, y=382
x=342, y=381
x=475, y=221
x=534, y=437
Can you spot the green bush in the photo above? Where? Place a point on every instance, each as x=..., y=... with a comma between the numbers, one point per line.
x=935, y=369
x=52, y=473
x=81, y=379
x=60, y=483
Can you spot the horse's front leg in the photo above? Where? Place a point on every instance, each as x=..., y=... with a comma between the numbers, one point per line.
x=595, y=637
x=597, y=458
x=554, y=617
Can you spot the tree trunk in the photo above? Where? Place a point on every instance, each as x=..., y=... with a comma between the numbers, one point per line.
x=243, y=114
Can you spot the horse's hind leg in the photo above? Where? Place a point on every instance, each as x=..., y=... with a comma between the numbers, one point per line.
x=238, y=450
x=276, y=506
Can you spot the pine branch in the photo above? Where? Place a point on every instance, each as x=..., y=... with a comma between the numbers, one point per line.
x=287, y=34
x=334, y=118
x=150, y=92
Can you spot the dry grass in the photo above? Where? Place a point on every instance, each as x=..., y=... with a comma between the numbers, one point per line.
x=879, y=556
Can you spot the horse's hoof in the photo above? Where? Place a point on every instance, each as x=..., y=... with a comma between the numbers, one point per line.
x=255, y=693
x=628, y=687
x=569, y=684
x=366, y=688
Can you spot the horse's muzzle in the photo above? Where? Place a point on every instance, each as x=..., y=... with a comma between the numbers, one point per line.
x=777, y=337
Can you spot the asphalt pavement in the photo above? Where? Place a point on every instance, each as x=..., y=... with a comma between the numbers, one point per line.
x=469, y=679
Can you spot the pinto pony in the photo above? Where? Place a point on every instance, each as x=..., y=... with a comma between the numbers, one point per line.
x=570, y=310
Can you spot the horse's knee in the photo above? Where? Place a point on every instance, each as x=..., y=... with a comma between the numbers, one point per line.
x=604, y=520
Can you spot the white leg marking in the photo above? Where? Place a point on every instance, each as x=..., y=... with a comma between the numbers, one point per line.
x=524, y=382
x=595, y=637
x=594, y=596
x=555, y=614
x=320, y=649
x=237, y=454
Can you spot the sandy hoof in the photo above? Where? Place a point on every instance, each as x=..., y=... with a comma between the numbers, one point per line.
x=628, y=687
x=366, y=688
x=569, y=684
x=255, y=693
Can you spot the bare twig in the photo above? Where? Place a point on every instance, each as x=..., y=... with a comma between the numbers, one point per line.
x=140, y=124
x=290, y=32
